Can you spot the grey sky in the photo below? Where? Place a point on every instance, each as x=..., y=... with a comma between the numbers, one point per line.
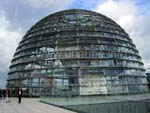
x=17, y=16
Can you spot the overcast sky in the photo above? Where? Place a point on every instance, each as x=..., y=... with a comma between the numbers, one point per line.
x=17, y=16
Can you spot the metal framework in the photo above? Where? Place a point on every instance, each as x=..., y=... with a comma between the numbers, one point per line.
x=77, y=52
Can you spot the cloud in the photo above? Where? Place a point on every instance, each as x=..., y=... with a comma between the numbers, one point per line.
x=15, y=18
x=51, y=4
x=9, y=39
x=132, y=18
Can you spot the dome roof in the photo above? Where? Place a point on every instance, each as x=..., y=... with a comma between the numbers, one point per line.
x=74, y=19
x=77, y=52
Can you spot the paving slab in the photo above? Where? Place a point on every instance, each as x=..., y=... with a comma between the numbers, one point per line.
x=29, y=105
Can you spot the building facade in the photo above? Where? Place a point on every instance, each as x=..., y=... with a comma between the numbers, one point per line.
x=148, y=76
x=77, y=52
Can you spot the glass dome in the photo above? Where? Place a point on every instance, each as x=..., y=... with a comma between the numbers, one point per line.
x=77, y=52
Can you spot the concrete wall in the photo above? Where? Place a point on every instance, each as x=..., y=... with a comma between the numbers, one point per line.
x=117, y=107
